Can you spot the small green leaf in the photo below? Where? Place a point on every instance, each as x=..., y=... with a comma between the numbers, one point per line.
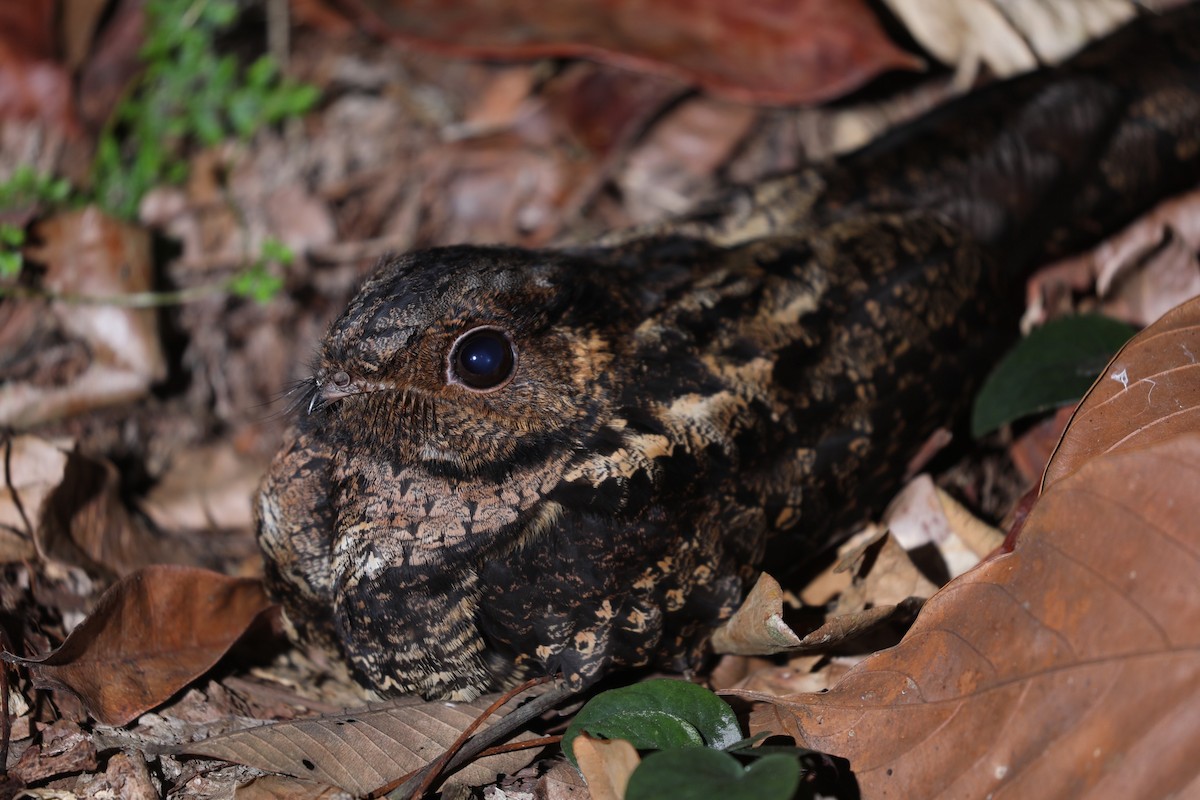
x=11, y=235
x=656, y=715
x=702, y=774
x=275, y=250
x=1052, y=366
x=10, y=263
x=256, y=283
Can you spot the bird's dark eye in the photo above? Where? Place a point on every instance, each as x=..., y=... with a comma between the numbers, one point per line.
x=482, y=359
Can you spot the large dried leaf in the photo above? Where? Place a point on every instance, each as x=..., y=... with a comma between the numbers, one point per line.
x=149, y=636
x=1149, y=392
x=32, y=82
x=361, y=751
x=748, y=50
x=1068, y=668
x=1007, y=36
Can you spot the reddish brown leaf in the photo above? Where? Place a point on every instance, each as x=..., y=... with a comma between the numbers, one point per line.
x=149, y=636
x=1149, y=392
x=762, y=51
x=1067, y=668
x=32, y=82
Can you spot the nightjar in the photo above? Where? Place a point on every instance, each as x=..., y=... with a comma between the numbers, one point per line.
x=570, y=461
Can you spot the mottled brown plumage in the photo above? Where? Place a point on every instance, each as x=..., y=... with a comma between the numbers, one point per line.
x=569, y=461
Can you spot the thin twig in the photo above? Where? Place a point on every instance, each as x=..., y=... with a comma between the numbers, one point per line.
x=505, y=727
x=435, y=769
x=513, y=747
x=129, y=300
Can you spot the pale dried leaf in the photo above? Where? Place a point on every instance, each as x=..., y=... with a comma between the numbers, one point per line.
x=922, y=514
x=206, y=487
x=980, y=538
x=1007, y=36
x=606, y=765
x=1069, y=667
x=1151, y=284
x=887, y=578
x=965, y=34
x=32, y=467
x=361, y=751
x=757, y=627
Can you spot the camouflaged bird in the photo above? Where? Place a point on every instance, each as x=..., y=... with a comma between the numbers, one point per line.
x=569, y=461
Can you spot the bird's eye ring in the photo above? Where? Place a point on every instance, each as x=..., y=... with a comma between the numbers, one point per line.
x=340, y=379
x=482, y=359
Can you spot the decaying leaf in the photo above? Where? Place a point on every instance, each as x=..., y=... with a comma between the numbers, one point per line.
x=1069, y=667
x=32, y=82
x=757, y=627
x=923, y=514
x=279, y=787
x=88, y=253
x=1007, y=36
x=1149, y=392
x=31, y=468
x=149, y=636
x=361, y=751
x=757, y=51
x=606, y=764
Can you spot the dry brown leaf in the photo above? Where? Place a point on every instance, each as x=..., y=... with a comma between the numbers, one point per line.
x=758, y=51
x=561, y=782
x=679, y=157
x=1031, y=451
x=88, y=253
x=757, y=627
x=279, y=787
x=1148, y=393
x=148, y=637
x=1068, y=668
x=361, y=751
x=31, y=468
x=84, y=522
x=606, y=765
x=33, y=84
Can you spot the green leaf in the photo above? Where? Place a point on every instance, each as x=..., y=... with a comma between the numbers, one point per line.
x=1052, y=366
x=655, y=715
x=11, y=235
x=10, y=263
x=275, y=250
x=256, y=283
x=702, y=774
